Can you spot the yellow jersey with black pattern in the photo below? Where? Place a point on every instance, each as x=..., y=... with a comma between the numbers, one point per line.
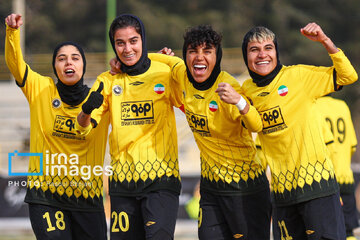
x=227, y=151
x=292, y=140
x=143, y=138
x=71, y=173
x=337, y=116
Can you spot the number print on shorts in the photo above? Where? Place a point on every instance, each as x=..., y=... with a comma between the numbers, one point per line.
x=60, y=223
x=123, y=222
x=283, y=231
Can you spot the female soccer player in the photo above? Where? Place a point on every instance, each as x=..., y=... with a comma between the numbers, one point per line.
x=306, y=194
x=145, y=185
x=66, y=198
x=235, y=197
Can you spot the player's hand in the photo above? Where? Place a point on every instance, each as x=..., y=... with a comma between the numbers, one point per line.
x=227, y=93
x=314, y=32
x=94, y=101
x=167, y=51
x=114, y=66
x=14, y=20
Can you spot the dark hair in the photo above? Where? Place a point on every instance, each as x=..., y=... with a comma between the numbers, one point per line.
x=124, y=21
x=196, y=36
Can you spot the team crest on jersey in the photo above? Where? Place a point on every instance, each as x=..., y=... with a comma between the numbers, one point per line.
x=213, y=106
x=56, y=103
x=117, y=90
x=283, y=90
x=159, y=88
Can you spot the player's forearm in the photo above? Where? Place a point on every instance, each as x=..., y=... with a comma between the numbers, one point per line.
x=82, y=124
x=330, y=46
x=84, y=119
x=13, y=55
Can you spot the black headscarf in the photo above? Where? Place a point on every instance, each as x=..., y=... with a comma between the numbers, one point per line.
x=198, y=36
x=71, y=94
x=260, y=81
x=144, y=62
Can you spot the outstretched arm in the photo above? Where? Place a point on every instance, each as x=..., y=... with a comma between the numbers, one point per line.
x=314, y=32
x=13, y=55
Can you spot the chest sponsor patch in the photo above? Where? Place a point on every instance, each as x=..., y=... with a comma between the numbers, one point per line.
x=213, y=106
x=272, y=120
x=283, y=90
x=64, y=124
x=137, y=113
x=159, y=88
x=197, y=123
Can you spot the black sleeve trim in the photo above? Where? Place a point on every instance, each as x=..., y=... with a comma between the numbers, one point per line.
x=336, y=87
x=330, y=142
x=94, y=122
x=24, y=79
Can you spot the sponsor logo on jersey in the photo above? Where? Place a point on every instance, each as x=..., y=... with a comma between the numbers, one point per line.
x=137, y=113
x=213, y=106
x=64, y=124
x=159, y=88
x=117, y=90
x=198, y=123
x=273, y=120
x=197, y=96
x=263, y=94
x=137, y=83
x=283, y=90
x=56, y=103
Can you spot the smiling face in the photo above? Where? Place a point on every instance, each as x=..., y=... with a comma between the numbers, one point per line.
x=201, y=61
x=128, y=45
x=261, y=57
x=69, y=65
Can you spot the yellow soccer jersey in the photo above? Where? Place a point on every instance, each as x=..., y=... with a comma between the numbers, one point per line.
x=292, y=139
x=72, y=164
x=143, y=139
x=337, y=115
x=227, y=151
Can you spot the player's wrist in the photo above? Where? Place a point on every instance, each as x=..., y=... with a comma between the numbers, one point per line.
x=241, y=104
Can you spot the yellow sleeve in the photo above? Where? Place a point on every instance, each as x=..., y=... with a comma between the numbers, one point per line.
x=82, y=130
x=345, y=72
x=252, y=120
x=13, y=55
x=178, y=72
